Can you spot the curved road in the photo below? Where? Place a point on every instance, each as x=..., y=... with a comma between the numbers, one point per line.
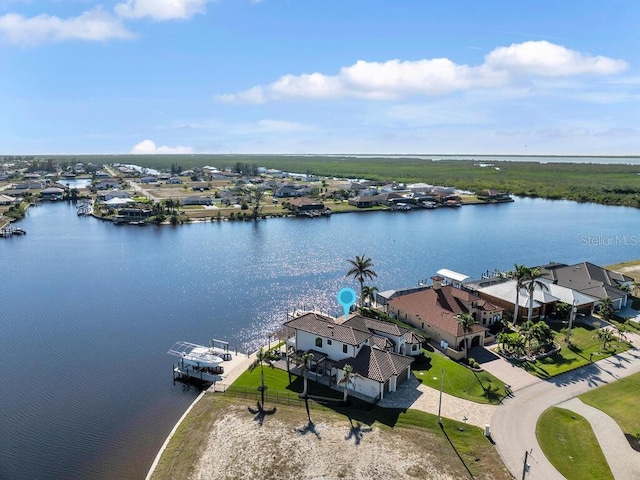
x=513, y=426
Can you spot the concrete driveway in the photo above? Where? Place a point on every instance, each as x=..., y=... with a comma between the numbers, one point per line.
x=499, y=367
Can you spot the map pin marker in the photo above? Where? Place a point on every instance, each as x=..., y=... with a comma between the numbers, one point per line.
x=347, y=297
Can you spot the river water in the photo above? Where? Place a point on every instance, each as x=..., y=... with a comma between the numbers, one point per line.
x=89, y=309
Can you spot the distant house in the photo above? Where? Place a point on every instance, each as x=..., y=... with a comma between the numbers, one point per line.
x=197, y=200
x=174, y=181
x=52, y=194
x=201, y=187
x=362, y=201
x=336, y=345
x=108, y=195
x=101, y=174
x=303, y=204
x=107, y=184
x=591, y=280
x=436, y=310
x=132, y=214
x=288, y=191
x=148, y=179
x=490, y=195
x=9, y=200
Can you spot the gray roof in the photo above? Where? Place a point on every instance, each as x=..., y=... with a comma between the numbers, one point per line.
x=369, y=324
x=375, y=364
x=588, y=278
x=325, y=327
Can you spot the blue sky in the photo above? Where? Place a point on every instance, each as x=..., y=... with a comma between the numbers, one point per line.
x=294, y=76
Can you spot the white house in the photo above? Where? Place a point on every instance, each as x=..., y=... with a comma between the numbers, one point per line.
x=378, y=367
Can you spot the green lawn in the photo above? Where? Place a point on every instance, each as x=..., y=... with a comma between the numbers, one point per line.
x=569, y=443
x=619, y=400
x=460, y=381
x=585, y=343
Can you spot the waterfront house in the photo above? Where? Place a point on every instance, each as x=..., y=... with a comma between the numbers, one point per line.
x=436, y=309
x=545, y=299
x=289, y=191
x=362, y=201
x=52, y=194
x=335, y=345
x=304, y=204
x=108, y=195
x=591, y=280
x=148, y=179
x=490, y=195
x=107, y=184
x=398, y=339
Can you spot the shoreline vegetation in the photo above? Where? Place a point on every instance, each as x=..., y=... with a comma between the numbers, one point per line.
x=608, y=184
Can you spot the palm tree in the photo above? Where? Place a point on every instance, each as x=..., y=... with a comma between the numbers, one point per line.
x=361, y=269
x=304, y=362
x=347, y=379
x=256, y=195
x=262, y=357
x=531, y=282
x=369, y=293
x=606, y=337
x=606, y=308
x=466, y=321
x=519, y=274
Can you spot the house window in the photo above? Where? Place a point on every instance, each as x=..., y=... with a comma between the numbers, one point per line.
x=423, y=325
x=328, y=342
x=344, y=349
x=414, y=348
x=319, y=342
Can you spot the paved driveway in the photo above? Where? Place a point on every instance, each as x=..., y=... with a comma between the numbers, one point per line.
x=499, y=367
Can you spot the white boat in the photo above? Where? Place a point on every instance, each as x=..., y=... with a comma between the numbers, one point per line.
x=195, y=355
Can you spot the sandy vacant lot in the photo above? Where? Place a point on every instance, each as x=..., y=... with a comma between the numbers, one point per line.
x=327, y=450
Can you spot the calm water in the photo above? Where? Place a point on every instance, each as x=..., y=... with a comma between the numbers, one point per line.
x=89, y=309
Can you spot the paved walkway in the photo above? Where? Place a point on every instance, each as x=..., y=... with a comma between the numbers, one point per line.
x=623, y=460
x=513, y=425
x=413, y=394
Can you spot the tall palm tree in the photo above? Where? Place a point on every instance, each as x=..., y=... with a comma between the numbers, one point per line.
x=606, y=308
x=304, y=363
x=466, y=321
x=361, y=269
x=256, y=196
x=531, y=281
x=519, y=275
x=347, y=379
x=369, y=293
x=262, y=358
x=605, y=336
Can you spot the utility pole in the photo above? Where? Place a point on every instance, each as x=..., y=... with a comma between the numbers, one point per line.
x=572, y=317
x=525, y=468
x=440, y=402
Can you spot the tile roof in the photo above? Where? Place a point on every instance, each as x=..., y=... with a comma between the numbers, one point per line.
x=370, y=324
x=438, y=308
x=588, y=278
x=324, y=326
x=375, y=364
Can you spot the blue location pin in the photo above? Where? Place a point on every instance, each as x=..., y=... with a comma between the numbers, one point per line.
x=346, y=298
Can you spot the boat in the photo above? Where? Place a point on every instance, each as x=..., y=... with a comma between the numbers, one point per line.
x=195, y=355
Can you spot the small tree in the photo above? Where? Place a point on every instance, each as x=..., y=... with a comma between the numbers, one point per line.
x=369, y=293
x=466, y=321
x=606, y=308
x=262, y=358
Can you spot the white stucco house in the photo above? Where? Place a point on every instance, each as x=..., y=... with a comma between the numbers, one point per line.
x=372, y=347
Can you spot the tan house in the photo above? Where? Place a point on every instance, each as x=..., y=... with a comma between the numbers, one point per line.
x=436, y=311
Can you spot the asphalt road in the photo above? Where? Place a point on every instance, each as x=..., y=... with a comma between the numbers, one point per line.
x=513, y=426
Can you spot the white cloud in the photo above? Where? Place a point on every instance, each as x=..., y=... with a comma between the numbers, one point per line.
x=92, y=25
x=147, y=147
x=160, y=9
x=503, y=67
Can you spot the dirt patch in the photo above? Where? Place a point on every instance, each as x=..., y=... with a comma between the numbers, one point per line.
x=287, y=447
